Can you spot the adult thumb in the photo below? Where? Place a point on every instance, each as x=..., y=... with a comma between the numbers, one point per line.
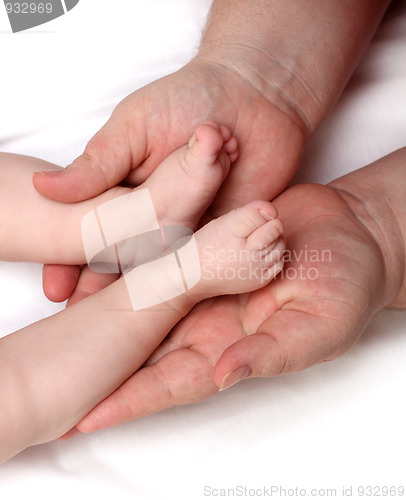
x=289, y=341
x=106, y=161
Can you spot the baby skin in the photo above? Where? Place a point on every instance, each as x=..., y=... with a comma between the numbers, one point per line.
x=53, y=372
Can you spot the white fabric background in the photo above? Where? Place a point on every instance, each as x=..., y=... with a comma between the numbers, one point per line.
x=334, y=425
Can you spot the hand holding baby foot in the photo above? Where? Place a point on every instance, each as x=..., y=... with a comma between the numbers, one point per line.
x=182, y=187
x=161, y=117
x=344, y=266
x=255, y=73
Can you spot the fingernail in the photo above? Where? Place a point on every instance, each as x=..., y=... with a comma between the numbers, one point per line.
x=265, y=215
x=192, y=141
x=235, y=376
x=49, y=172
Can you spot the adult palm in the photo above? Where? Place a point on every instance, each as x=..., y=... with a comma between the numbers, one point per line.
x=314, y=311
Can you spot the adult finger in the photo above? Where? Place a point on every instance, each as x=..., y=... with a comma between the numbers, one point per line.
x=289, y=341
x=89, y=283
x=59, y=281
x=155, y=388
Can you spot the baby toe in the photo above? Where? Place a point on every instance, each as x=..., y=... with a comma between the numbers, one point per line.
x=206, y=143
x=274, y=253
x=231, y=148
x=252, y=216
x=263, y=238
x=225, y=133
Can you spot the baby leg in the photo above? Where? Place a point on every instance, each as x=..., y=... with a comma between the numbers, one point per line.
x=55, y=371
x=37, y=229
x=51, y=371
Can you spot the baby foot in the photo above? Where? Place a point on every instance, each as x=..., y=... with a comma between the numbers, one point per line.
x=240, y=251
x=137, y=227
x=236, y=253
x=185, y=183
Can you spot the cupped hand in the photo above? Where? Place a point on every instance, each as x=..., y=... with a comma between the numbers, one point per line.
x=159, y=118
x=314, y=311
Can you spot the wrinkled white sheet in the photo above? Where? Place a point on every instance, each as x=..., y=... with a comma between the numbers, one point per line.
x=337, y=425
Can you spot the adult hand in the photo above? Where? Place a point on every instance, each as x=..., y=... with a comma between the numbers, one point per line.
x=258, y=71
x=157, y=119
x=337, y=276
